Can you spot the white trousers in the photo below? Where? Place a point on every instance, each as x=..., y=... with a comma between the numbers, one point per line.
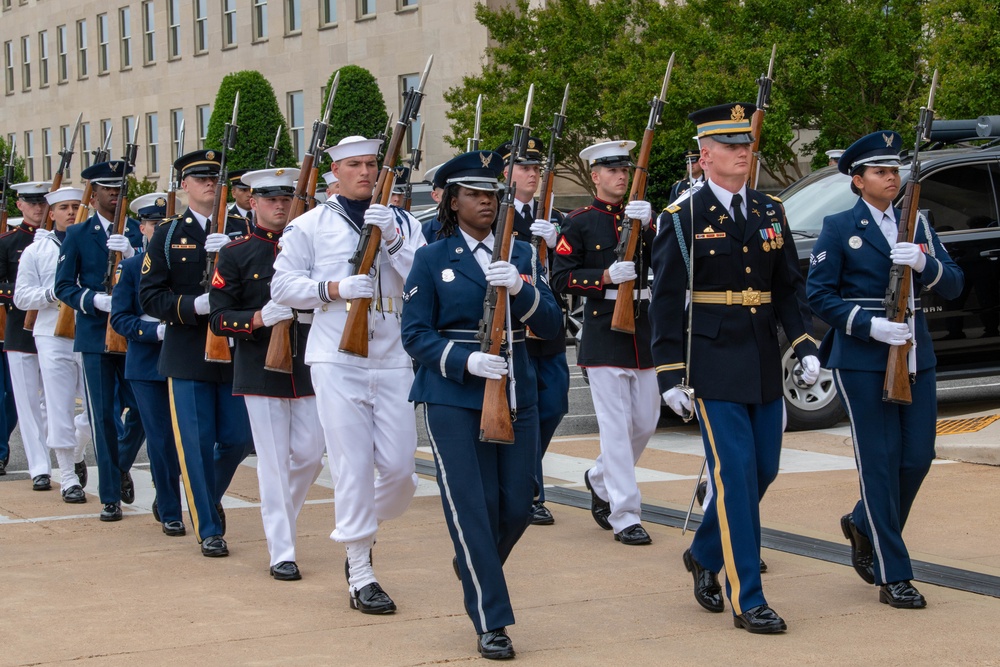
x=289, y=443
x=369, y=427
x=627, y=404
x=26, y=379
x=62, y=383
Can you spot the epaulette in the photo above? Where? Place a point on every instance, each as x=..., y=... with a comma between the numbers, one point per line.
x=673, y=208
x=239, y=240
x=775, y=198
x=573, y=214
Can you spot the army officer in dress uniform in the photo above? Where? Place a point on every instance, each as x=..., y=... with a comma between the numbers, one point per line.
x=695, y=175
x=281, y=406
x=848, y=276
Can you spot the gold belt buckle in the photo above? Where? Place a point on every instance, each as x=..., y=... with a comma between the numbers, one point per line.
x=751, y=298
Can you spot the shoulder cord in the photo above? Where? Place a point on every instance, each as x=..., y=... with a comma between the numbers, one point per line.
x=166, y=243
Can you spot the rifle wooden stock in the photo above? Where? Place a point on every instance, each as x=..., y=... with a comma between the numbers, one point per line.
x=172, y=203
x=65, y=322
x=495, y=422
x=623, y=319
x=898, y=377
x=114, y=342
x=545, y=213
x=756, y=125
x=217, y=347
x=279, y=349
x=301, y=199
x=32, y=315
x=83, y=212
x=313, y=181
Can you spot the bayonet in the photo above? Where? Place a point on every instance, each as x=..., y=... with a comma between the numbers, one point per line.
x=324, y=125
x=67, y=152
x=416, y=153
x=272, y=152
x=473, y=143
x=770, y=65
x=657, y=103
x=180, y=139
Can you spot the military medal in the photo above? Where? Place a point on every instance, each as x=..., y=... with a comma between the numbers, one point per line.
x=779, y=240
x=765, y=234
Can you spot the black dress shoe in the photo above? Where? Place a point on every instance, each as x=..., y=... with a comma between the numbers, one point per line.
x=111, y=512
x=901, y=595
x=707, y=590
x=3, y=468
x=763, y=566
x=214, y=547
x=81, y=472
x=156, y=511
x=599, y=509
x=454, y=564
x=222, y=516
x=371, y=599
x=41, y=483
x=74, y=495
x=540, y=515
x=862, y=554
x=286, y=570
x=634, y=535
x=128, y=488
x=701, y=492
x=174, y=528
x=495, y=645
x=760, y=620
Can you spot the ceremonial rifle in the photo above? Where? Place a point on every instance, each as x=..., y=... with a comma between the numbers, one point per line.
x=175, y=176
x=496, y=423
x=549, y=177
x=8, y=178
x=217, y=347
x=757, y=120
x=898, y=377
x=114, y=342
x=356, y=332
x=101, y=154
x=623, y=319
x=473, y=143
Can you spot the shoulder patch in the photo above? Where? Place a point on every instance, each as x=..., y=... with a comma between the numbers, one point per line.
x=775, y=198
x=218, y=282
x=147, y=264
x=672, y=208
x=563, y=247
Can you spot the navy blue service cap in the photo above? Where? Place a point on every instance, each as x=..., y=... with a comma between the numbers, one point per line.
x=726, y=123
x=152, y=206
x=878, y=149
x=108, y=174
x=402, y=177
x=204, y=164
x=692, y=155
x=235, y=176
x=478, y=170
x=532, y=154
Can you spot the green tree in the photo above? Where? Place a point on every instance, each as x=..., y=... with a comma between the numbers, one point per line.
x=19, y=177
x=137, y=188
x=358, y=109
x=258, y=118
x=966, y=49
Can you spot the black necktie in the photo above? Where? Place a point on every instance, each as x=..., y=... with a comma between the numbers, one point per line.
x=250, y=220
x=526, y=211
x=741, y=221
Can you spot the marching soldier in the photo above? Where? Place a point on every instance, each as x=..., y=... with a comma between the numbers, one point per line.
x=366, y=419
x=547, y=356
x=62, y=374
x=694, y=176
x=211, y=427
x=848, y=276
x=399, y=187
x=742, y=289
x=282, y=407
x=619, y=365
x=432, y=227
x=80, y=274
x=19, y=345
x=144, y=334
x=241, y=196
x=332, y=184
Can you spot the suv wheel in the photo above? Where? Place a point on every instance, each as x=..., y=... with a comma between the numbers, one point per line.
x=812, y=407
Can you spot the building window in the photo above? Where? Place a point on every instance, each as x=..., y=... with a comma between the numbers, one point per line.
x=25, y=63
x=128, y=127
x=43, y=59
x=204, y=115
x=228, y=23
x=46, y=154
x=125, y=32
x=148, y=34
x=62, y=53
x=366, y=8
x=259, y=20
x=200, y=26
x=176, y=120
x=409, y=82
x=6, y=4
x=102, y=44
x=81, y=49
x=152, y=144
x=85, y=145
x=293, y=17
x=327, y=13
x=66, y=134
x=29, y=155
x=405, y=4
x=173, y=29
x=296, y=123
x=8, y=67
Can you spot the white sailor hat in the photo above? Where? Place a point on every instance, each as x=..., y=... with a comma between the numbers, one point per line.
x=64, y=194
x=353, y=147
x=430, y=173
x=150, y=206
x=32, y=191
x=608, y=154
x=330, y=178
x=272, y=182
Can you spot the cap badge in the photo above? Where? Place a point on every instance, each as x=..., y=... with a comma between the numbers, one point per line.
x=210, y=155
x=160, y=201
x=531, y=143
x=737, y=113
x=622, y=144
x=486, y=158
x=113, y=166
x=279, y=172
x=888, y=140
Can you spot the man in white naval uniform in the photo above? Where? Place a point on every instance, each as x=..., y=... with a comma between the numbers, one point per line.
x=367, y=422
x=62, y=373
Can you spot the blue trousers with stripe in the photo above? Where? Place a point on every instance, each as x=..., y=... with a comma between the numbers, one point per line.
x=153, y=400
x=743, y=450
x=893, y=448
x=486, y=490
x=212, y=434
x=552, y=373
x=8, y=412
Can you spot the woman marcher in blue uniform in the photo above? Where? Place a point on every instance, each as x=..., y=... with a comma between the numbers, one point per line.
x=486, y=488
x=848, y=276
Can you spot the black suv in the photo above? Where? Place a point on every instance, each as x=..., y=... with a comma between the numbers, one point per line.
x=960, y=193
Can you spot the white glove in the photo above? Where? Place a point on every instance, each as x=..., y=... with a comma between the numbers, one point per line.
x=639, y=210
x=356, y=287
x=546, y=230
x=678, y=401
x=118, y=243
x=161, y=329
x=272, y=313
x=907, y=254
x=41, y=234
x=102, y=302
x=201, y=306
x=893, y=333
x=216, y=242
x=489, y=366
x=383, y=218
x=504, y=274
x=810, y=369
x=621, y=272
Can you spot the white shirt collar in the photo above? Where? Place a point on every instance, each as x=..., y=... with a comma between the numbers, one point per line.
x=242, y=212
x=472, y=243
x=104, y=222
x=202, y=220
x=725, y=197
x=877, y=215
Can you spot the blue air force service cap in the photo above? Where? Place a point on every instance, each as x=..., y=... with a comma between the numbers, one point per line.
x=152, y=206
x=608, y=154
x=478, y=170
x=269, y=183
x=878, y=149
x=204, y=164
x=726, y=123
x=532, y=154
x=402, y=177
x=108, y=174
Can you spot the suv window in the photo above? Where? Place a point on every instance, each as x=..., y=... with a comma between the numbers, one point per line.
x=962, y=197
